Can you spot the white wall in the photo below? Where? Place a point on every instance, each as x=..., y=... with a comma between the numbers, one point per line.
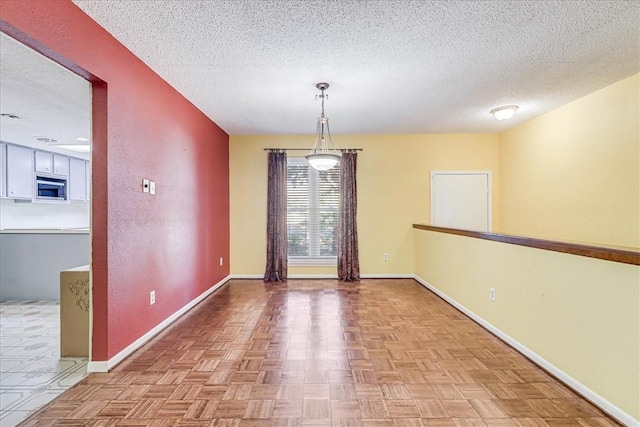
x=43, y=215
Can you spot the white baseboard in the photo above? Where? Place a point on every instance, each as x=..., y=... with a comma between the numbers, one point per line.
x=245, y=276
x=388, y=276
x=571, y=382
x=327, y=276
x=313, y=276
x=105, y=366
x=98, y=367
x=291, y=276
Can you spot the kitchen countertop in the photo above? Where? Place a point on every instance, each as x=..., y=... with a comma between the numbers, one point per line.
x=86, y=267
x=45, y=231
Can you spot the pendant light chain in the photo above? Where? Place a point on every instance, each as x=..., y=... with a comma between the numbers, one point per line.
x=324, y=147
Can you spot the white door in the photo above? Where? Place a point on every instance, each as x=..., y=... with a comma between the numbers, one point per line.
x=461, y=200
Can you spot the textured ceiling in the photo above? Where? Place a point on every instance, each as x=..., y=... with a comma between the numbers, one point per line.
x=51, y=101
x=394, y=66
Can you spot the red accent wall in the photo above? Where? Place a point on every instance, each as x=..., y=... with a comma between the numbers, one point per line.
x=142, y=128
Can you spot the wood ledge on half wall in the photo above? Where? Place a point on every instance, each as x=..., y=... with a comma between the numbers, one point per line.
x=623, y=255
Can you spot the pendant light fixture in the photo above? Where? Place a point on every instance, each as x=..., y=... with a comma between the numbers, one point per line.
x=323, y=156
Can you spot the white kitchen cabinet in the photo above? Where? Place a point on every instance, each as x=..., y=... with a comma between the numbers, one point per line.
x=20, y=177
x=44, y=162
x=60, y=165
x=51, y=163
x=3, y=171
x=77, y=179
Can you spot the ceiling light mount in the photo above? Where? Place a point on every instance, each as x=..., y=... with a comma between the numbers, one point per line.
x=505, y=112
x=322, y=86
x=323, y=156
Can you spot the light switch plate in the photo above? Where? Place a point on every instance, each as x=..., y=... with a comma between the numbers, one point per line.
x=145, y=185
x=152, y=187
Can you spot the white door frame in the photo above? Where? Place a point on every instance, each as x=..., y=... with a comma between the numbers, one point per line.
x=479, y=172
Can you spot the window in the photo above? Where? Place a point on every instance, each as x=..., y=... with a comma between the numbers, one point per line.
x=312, y=213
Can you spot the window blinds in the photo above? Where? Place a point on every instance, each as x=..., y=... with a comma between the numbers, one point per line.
x=312, y=211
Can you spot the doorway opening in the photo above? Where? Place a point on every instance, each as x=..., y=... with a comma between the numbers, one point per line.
x=46, y=133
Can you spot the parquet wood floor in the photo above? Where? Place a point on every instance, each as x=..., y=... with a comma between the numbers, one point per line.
x=322, y=353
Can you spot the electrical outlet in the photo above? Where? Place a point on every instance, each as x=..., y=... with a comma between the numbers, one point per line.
x=152, y=297
x=221, y=260
x=492, y=294
x=152, y=187
x=385, y=256
x=145, y=185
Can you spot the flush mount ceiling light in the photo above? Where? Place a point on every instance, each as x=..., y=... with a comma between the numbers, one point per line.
x=323, y=156
x=504, y=113
x=45, y=139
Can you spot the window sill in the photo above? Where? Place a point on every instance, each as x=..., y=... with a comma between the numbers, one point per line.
x=329, y=261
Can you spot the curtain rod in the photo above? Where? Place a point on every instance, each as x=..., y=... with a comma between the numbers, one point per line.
x=309, y=149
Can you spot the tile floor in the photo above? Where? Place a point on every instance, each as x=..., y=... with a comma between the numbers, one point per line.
x=31, y=371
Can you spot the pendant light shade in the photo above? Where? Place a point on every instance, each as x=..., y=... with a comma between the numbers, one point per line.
x=322, y=162
x=323, y=156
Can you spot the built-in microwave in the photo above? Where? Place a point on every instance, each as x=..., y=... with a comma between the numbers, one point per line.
x=53, y=189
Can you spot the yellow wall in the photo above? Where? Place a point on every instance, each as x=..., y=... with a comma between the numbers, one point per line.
x=573, y=174
x=580, y=314
x=393, y=192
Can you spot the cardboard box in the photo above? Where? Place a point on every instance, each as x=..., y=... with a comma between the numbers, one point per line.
x=74, y=312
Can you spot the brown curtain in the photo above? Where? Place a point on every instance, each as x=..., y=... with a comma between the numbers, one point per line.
x=348, y=263
x=277, y=247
